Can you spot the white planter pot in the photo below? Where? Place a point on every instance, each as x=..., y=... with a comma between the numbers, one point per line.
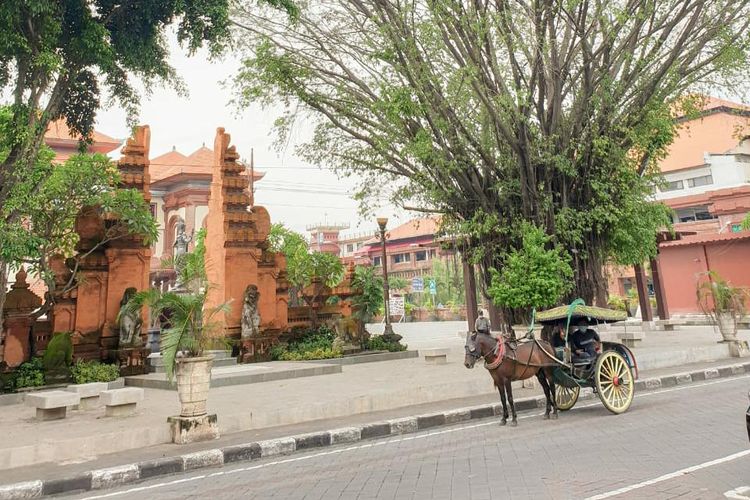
x=193, y=380
x=727, y=326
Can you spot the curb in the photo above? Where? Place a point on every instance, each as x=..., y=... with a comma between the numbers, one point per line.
x=130, y=473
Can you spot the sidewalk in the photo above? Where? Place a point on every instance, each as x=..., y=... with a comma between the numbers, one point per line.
x=359, y=393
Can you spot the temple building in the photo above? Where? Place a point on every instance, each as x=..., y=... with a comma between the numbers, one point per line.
x=180, y=188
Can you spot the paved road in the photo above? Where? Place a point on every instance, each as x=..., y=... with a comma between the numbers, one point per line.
x=687, y=442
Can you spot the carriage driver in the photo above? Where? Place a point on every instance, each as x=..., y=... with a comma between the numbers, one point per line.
x=584, y=341
x=482, y=324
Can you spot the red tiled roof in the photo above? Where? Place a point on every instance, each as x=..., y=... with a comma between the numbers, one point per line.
x=58, y=130
x=702, y=239
x=58, y=137
x=200, y=162
x=423, y=226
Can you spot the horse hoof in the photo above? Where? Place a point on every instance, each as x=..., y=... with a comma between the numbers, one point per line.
x=554, y=416
x=546, y=416
x=513, y=423
x=503, y=422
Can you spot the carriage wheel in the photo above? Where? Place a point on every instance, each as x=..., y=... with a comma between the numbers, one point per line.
x=614, y=381
x=566, y=397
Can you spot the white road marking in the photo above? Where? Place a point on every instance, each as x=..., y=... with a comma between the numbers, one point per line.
x=737, y=493
x=385, y=442
x=671, y=475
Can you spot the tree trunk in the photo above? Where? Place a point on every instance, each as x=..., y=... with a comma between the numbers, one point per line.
x=3, y=288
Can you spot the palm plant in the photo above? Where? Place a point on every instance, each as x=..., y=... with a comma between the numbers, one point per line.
x=720, y=300
x=191, y=325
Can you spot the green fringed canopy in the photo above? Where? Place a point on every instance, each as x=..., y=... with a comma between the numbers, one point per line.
x=592, y=313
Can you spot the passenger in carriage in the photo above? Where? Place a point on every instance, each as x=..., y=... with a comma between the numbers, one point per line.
x=584, y=342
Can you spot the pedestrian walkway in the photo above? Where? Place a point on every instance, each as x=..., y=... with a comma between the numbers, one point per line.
x=359, y=391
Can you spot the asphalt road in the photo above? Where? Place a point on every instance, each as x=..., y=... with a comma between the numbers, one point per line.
x=685, y=442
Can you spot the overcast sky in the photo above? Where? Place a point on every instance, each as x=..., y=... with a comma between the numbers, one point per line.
x=188, y=122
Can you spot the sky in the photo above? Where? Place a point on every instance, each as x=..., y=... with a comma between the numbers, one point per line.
x=294, y=192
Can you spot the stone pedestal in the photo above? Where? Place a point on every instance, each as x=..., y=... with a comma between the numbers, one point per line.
x=739, y=349
x=187, y=430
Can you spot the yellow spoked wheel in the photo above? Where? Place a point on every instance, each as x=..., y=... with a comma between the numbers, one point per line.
x=614, y=382
x=566, y=397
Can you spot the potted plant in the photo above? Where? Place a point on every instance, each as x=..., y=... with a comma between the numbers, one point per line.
x=190, y=331
x=723, y=303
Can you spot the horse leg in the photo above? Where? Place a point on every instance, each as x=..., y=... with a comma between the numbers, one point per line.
x=509, y=390
x=551, y=382
x=501, y=389
x=543, y=382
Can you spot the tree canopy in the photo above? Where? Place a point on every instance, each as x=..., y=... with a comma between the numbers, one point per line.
x=554, y=113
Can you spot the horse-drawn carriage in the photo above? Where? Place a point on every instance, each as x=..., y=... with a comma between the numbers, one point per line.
x=611, y=374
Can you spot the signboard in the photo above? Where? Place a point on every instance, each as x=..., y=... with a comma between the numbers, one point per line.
x=417, y=285
x=397, y=306
x=433, y=287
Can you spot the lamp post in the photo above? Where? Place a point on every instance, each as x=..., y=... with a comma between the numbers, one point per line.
x=388, y=331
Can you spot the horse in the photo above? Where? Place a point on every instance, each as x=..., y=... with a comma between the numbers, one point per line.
x=506, y=364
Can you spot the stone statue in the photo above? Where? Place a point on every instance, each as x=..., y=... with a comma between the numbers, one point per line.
x=250, y=316
x=181, y=240
x=130, y=322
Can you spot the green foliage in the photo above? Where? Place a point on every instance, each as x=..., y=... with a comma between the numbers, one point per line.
x=571, y=146
x=49, y=214
x=308, y=272
x=370, y=299
x=449, y=285
x=191, y=324
x=29, y=374
x=377, y=343
x=617, y=303
x=746, y=223
x=537, y=275
x=716, y=297
x=397, y=283
x=59, y=352
x=84, y=372
x=317, y=343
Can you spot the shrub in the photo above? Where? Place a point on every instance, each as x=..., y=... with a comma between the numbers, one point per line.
x=616, y=302
x=84, y=372
x=377, y=343
x=314, y=344
x=29, y=374
x=59, y=352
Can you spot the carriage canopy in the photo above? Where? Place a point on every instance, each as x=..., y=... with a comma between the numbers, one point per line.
x=577, y=311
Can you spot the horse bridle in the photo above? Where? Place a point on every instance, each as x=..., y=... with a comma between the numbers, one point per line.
x=472, y=351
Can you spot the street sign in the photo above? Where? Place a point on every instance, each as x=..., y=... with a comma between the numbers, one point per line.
x=433, y=287
x=397, y=306
x=417, y=285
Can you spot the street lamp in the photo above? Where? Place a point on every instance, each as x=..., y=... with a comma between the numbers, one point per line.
x=388, y=331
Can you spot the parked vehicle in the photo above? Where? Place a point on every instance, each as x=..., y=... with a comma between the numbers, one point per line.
x=747, y=417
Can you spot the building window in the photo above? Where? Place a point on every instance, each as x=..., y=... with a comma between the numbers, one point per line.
x=420, y=255
x=350, y=247
x=693, y=214
x=376, y=261
x=432, y=254
x=703, y=180
x=400, y=258
x=152, y=208
x=673, y=186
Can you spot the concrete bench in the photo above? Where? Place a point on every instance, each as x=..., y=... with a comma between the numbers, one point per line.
x=52, y=405
x=121, y=402
x=630, y=339
x=435, y=356
x=89, y=394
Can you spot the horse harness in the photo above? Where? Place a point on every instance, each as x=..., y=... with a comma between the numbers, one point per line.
x=503, y=351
